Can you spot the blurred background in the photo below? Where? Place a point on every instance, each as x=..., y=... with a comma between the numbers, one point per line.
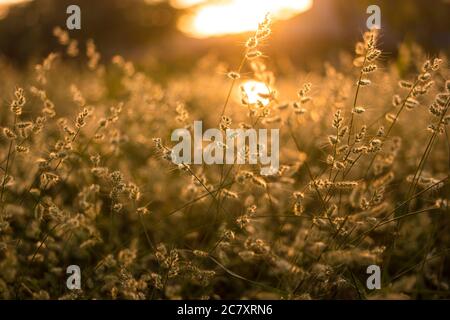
x=175, y=33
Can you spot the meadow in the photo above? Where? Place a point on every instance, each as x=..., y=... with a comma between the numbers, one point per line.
x=86, y=178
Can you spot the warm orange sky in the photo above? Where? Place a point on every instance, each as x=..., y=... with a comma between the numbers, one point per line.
x=4, y=2
x=212, y=18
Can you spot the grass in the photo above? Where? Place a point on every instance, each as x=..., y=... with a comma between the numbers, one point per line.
x=86, y=179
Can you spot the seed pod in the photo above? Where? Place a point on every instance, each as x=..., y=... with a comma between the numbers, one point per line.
x=425, y=76
x=263, y=33
x=359, y=110
x=411, y=103
x=9, y=134
x=22, y=149
x=233, y=75
x=405, y=84
x=364, y=82
x=251, y=43
x=396, y=100
x=253, y=54
x=370, y=68
x=373, y=55
x=391, y=117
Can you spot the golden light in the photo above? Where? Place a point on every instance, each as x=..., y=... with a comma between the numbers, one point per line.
x=12, y=1
x=256, y=91
x=5, y=5
x=214, y=18
x=183, y=4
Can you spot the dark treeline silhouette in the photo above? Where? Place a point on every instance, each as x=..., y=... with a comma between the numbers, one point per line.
x=138, y=28
x=114, y=24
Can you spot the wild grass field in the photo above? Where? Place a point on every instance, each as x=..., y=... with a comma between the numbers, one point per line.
x=86, y=178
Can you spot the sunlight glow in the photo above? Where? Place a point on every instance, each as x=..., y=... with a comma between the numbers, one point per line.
x=256, y=91
x=183, y=4
x=5, y=4
x=11, y=2
x=214, y=18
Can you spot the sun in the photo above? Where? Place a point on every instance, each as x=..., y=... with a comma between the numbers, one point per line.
x=216, y=18
x=256, y=91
